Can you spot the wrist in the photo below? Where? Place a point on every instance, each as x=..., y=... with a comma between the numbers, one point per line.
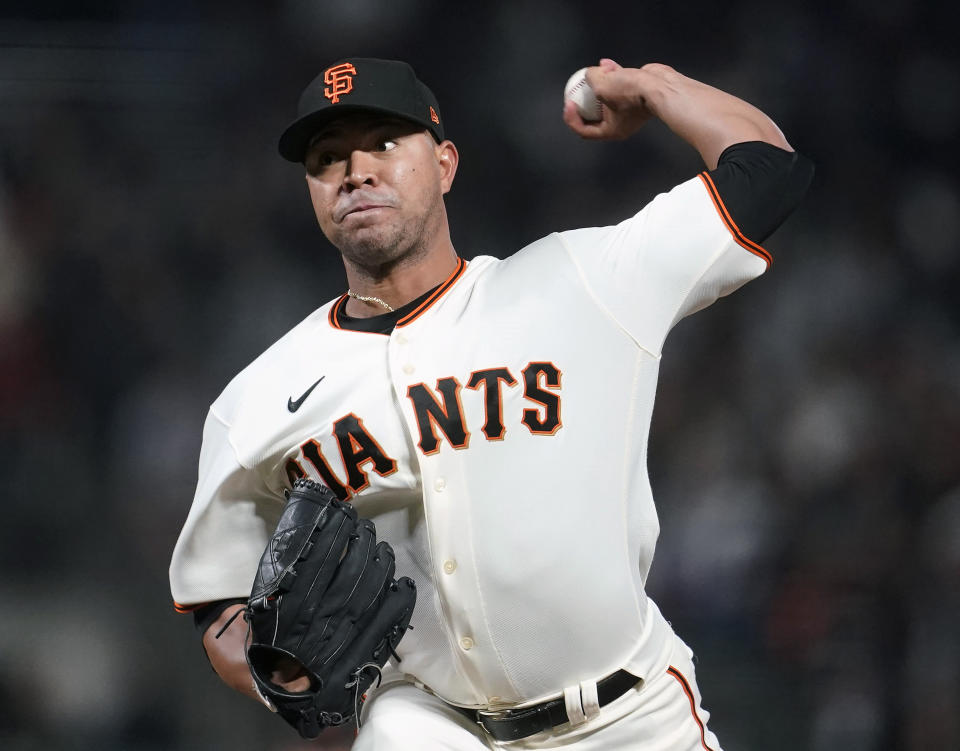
x=656, y=82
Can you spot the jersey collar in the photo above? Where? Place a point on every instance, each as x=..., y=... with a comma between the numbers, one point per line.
x=385, y=323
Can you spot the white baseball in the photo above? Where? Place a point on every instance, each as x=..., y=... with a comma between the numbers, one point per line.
x=579, y=92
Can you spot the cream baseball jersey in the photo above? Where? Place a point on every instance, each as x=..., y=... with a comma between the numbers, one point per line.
x=497, y=437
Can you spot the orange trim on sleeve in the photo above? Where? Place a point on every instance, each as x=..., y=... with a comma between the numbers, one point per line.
x=741, y=239
x=187, y=608
x=693, y=704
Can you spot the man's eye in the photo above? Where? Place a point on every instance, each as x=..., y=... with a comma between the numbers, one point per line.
x=317, y=161
x=386, y=145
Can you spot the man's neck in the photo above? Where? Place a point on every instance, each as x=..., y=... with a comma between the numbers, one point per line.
x=373, y=294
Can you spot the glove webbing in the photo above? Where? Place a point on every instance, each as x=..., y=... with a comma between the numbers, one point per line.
x=355, y=683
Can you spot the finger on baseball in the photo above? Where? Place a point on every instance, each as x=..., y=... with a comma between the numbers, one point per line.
x=592, y=74
x=571, y=116
x=605, y=65
x=605, y=79
x=597, y=76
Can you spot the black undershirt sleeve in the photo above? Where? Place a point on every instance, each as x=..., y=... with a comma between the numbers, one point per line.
x=761, y=185
x=205, y=615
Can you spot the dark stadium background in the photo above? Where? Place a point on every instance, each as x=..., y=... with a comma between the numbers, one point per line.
x=806, y=440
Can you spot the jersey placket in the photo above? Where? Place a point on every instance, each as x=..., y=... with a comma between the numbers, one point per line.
x=447, y=512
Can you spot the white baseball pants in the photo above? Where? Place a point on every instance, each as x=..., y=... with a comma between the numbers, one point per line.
x=662, y=713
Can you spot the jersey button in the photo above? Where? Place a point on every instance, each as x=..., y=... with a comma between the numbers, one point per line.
x=408, y=369
x=449, y=566
x=439, y=484
x=466, y=643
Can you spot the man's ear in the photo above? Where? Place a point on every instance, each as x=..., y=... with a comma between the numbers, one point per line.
x=447, y=158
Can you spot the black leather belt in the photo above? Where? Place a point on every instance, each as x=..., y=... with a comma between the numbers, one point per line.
x=513, y=724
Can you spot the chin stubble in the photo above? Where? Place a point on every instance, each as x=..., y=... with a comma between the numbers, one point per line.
x=378, y=254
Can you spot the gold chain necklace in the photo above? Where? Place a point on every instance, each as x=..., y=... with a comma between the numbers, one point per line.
x=370, y=298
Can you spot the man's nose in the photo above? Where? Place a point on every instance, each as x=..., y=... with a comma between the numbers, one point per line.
x=360, y=170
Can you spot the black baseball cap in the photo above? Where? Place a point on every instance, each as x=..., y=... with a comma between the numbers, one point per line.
x=360, y=84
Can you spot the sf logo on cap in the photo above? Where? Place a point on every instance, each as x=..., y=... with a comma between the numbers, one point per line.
x=339, y=80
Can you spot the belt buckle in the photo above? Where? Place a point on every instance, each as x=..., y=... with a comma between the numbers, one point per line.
x=493, y=714
x=514, y=723
x=488, y=718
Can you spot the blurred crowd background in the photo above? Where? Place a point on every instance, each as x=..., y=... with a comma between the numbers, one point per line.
x=805, y=449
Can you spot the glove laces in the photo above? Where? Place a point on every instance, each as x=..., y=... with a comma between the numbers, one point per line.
x=394, y=634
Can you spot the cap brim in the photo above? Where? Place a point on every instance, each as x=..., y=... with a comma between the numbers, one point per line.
x=295, y=139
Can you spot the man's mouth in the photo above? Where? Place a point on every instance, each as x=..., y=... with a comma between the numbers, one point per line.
x=361, y=207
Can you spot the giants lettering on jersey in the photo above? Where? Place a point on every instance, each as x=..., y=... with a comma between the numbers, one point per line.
x=440, y=416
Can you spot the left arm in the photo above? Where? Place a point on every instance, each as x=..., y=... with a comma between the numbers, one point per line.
x=228, y=656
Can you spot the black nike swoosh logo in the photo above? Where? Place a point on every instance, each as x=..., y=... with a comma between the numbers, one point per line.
x=293, y=406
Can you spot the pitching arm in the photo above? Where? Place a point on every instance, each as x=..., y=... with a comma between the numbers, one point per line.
x=707, y=118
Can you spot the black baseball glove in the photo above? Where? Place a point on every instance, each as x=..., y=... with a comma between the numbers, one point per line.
x=325, y=597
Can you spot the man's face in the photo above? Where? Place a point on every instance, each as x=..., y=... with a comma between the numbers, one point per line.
x=376, y=184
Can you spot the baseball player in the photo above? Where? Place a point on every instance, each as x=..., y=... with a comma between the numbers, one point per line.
x=489, y=416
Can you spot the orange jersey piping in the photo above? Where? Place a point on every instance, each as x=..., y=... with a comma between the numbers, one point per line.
x=412, y=315
x=741, y=239
x=440, y=291
x=333, y=311
x=187, y=608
